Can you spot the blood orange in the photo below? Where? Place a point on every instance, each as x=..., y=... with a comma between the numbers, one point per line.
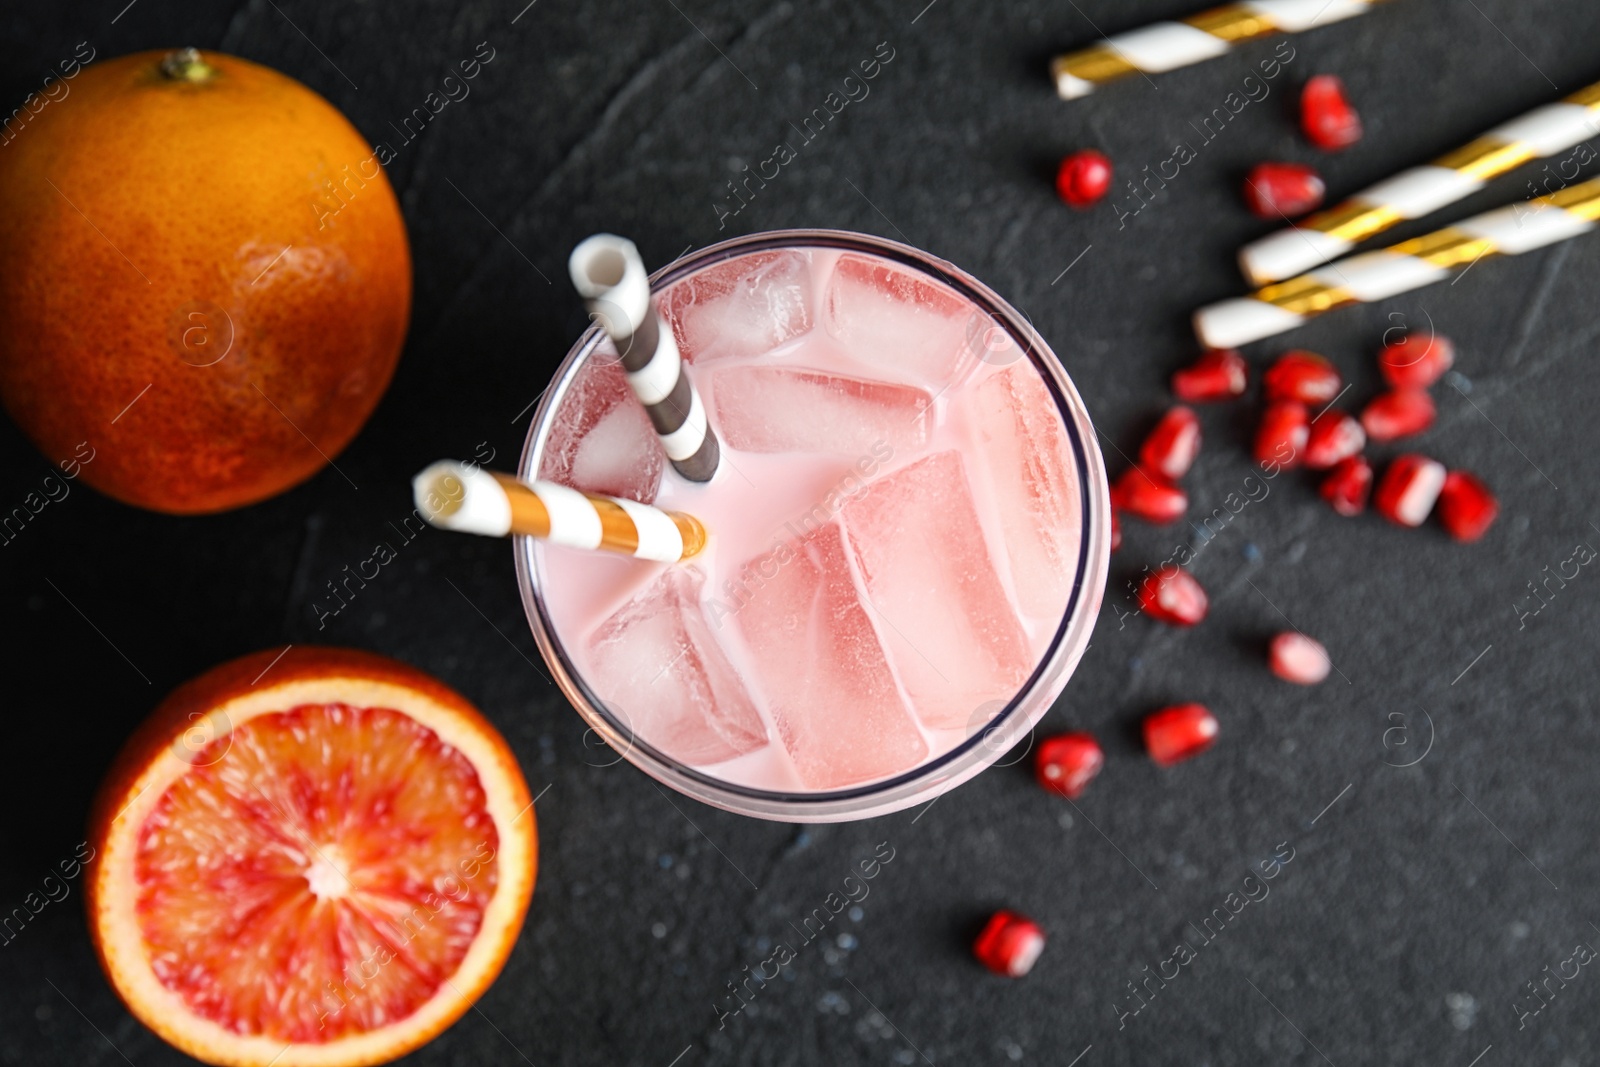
x=318, y=859
x=204, y=280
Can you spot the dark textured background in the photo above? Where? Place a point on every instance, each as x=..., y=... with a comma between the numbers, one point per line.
x=1415, y=907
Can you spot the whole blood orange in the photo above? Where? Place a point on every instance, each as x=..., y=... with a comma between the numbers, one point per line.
x=318, y=858
x=203, y=274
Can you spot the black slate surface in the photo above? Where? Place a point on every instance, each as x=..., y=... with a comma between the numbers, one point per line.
x=1419, y=900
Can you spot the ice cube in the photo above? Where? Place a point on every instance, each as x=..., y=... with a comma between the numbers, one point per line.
x=831, y=693
x=601, y=440
x=743, y=307
x=1034, y=479
x=784, y=409
x=950, y=630
x=658, y=666
x=891, y=319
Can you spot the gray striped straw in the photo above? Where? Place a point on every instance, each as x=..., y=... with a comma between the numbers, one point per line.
x=610, y=276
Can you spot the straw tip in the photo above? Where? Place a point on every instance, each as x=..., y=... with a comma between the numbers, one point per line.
x=1287, y=253
x=1068, y=85
x=462, y=497
x=1232, y=323
x=600, y=262
x=693, y=532
x=1250, y=267
x=437, y=490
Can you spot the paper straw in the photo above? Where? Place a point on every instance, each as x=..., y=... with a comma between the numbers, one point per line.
x=457, y=496
x=1166, y=46
x=1507, y=231
x=1421, y=190
x=611, y=278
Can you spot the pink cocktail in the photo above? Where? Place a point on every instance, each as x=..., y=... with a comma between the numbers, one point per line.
x=909, y=533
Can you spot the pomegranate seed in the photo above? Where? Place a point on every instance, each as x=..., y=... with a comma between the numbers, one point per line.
x=1303, y=376
x=1066, y=763
x=1326, y=115
x=1174, y=734
x=1277, y=190
x=1172, y=595
x=1220, y=374
x=1408, y=489
x=1398, y=414
x=1172, y=445
x=1009, y=944
x=1282, y=435
x=1147, y=495
x=1416, y=362
x=1116, y=531
x=1334, y=436
x=1083, y=178
x=1347, y=486
x=1296, y=658
x=1466, y=506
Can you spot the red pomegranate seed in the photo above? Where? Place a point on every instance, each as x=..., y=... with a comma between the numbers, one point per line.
x=1398, y=414
x=1173, y=444
x=1347, y=486
x=1083, y=178
x=1066, y=763
x=1409, y=488
x=1334, y=436
x=1326, y=115
x=1116, y=531
x=1220, y=374
x=1415, y=362
x=1174, y=734
x=1278, y=190
x=1172, y=595
x=1303, y=376
x=1149, y=496
x=1009, y=944
x=1466, y=506
x=1282, y=435
x=1296, y=658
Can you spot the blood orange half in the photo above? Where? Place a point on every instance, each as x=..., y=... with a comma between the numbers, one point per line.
x=318, y=859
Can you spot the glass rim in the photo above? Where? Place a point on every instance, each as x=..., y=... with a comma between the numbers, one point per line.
x=987, y=744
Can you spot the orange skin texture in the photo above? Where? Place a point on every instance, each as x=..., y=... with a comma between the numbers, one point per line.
x=198, y=696
x=142, y=221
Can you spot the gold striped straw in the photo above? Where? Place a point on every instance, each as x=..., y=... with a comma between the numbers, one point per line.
x=1508, y=231
x=1421, y=190
x=1164, y=46
x=463, y=497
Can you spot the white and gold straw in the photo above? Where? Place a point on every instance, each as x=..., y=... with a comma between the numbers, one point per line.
x=1508, y=231
x=609, y=274
x=459, y=496
x=1417, y=192
x=1165, y=46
